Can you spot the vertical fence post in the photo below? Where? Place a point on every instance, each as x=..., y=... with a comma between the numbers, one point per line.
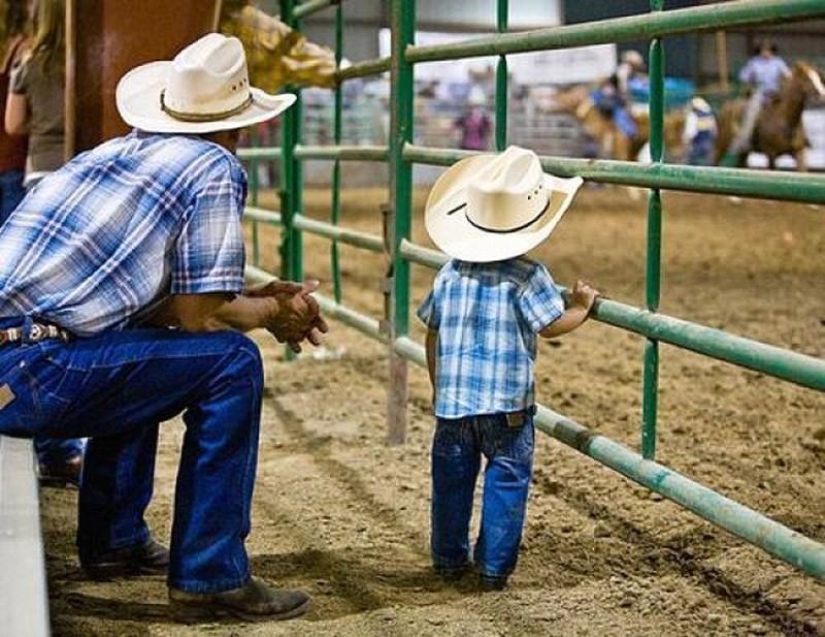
x=501, y=80
x=654, y=244
x=402, y=20
x=291, y=193
x=336, y=167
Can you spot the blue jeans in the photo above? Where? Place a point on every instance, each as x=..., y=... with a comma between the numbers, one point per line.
x=11, y=192
x=56, y=451
x=456, y=458
x=116, y=388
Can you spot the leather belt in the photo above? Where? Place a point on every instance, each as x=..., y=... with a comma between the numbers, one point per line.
x=33, y=333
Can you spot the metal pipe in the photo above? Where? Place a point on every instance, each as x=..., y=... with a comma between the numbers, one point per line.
x=736, y=14
x=501, y=80
x=261, y=214
x=338, y=116
x=776, y=539
x=265, y=152
x=369, y=242
x=308, y=7
x=764, y=184
x=653, y=259
x=361, y=322
x=346, y=153
x=800, y=369
x=364, y=69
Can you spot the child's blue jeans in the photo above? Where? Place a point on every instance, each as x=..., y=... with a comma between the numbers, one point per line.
x=456, y=458
x=117, y=388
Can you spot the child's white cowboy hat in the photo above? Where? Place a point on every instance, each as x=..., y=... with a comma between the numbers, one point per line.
x=203, y=90
x=493, y=207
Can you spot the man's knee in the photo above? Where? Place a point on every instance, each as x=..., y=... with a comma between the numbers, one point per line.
x=244, y=356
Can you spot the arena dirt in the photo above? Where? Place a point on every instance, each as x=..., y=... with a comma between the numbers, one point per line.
x=345, y=516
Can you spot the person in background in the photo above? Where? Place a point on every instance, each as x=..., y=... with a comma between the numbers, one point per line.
x=475, y=125
x=763, y=74
x=34, y=107
x=487, y=306
x=12, y=147
x=700, y=131
x=612, y=97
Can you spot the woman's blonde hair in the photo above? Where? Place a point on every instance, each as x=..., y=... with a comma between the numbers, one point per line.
x=48, y=48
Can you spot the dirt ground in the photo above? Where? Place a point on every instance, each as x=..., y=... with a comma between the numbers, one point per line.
x=343, y=515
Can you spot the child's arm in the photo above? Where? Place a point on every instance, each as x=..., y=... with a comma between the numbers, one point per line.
x=430, y=343
x=581, y=301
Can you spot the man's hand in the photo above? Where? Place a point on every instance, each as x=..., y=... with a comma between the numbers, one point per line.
x=294, y=315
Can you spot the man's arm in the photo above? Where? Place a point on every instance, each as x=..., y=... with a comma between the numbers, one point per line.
x=287, y=310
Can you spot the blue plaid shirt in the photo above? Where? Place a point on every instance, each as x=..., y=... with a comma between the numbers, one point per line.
x=99, y=243
x=487, y=316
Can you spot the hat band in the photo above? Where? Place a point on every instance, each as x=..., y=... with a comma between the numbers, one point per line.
x=203, y=117
x=508, y=230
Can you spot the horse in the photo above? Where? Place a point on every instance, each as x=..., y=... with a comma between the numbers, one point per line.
x=611, y=142
x=778, y=129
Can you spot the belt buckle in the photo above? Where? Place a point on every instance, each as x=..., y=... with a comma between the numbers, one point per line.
x=37, y=333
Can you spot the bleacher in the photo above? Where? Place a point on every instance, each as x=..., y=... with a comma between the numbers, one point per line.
x=24, y=601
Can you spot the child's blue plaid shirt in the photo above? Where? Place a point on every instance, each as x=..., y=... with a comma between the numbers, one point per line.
x=487, y=316
x=116, y=230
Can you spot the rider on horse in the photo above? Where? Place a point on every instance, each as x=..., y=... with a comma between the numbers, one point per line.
x=765, y=72
x=612, y=97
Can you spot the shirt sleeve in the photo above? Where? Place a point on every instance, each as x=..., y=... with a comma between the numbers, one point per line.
x=427, y=312
x=209, y=255
x=746, y=73
x=19, y=80
x=540, y=302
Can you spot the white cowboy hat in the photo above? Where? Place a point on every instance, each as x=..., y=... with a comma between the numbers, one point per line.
x=493, y=207
x=205, y=89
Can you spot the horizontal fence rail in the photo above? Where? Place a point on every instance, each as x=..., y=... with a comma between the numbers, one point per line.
x=803, y=188
x=743, y=522
x=657, y=24
x=781, y=363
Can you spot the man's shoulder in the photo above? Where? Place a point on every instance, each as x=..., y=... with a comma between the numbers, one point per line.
x=167, y=150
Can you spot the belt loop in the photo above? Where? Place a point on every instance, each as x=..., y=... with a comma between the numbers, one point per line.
x=26, y=329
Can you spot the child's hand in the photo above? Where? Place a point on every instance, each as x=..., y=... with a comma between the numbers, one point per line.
x=583, y=295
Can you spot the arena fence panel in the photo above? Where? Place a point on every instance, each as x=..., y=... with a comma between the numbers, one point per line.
x=402, y=154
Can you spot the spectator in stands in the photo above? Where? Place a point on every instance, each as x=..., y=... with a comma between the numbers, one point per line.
x=763, y=74
x=475, y=125
x=482, y=316
x=122, y=304
x=12, y=148
x=34, y=108
x=700, y=131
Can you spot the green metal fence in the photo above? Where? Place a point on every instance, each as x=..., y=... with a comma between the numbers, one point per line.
x=402, y=154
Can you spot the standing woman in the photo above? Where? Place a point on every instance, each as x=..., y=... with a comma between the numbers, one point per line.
x=35, y=107
x=35, y=102
x=14, y=40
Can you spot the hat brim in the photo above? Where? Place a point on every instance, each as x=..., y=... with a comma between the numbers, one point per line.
x=138, y=102
x=452, y=232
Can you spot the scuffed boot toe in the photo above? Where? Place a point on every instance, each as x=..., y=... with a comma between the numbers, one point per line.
x=253, y=601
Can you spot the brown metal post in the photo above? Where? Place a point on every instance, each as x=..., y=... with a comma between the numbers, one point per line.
x=107, y=38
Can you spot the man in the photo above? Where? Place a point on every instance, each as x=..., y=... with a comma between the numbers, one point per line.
x=764, y=74
x=122, y=305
